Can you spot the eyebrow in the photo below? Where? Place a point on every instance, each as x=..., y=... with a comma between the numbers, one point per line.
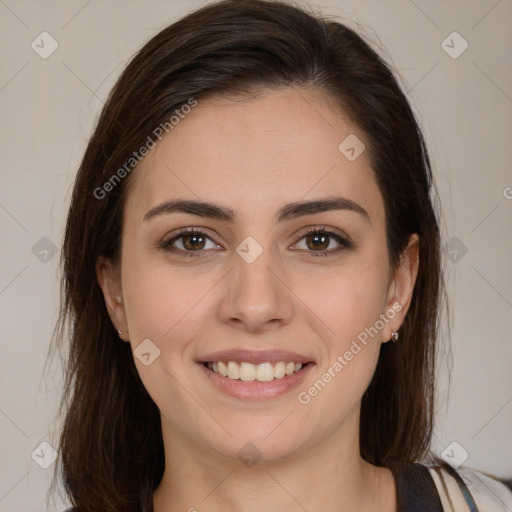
x=287, y=212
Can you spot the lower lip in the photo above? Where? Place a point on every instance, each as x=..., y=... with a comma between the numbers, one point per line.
x=256, y=390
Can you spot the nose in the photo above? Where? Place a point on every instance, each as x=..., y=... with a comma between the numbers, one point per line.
x=256, y=297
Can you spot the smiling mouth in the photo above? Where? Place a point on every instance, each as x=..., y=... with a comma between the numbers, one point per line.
x=262, y=372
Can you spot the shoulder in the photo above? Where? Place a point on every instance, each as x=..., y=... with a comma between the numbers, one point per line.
x=459, y=488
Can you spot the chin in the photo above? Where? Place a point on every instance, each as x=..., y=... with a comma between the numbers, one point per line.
x=264, y=441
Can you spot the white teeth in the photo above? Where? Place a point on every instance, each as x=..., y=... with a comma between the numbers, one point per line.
x=263, y=372
x=279, y=370
x=247, y=371
x=223, y=369
x=233, y=370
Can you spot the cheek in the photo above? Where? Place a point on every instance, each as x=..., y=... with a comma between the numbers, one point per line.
x=350, y=303
x=165, y=306
x=160, y=299
x=348, y=300
x=352, y=350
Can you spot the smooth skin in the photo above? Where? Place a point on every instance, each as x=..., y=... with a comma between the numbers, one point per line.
x=253, y=156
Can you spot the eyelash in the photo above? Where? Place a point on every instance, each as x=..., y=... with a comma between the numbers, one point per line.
x=345, y=244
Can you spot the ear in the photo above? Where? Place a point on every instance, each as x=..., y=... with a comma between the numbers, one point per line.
x=109, y=279
x=402, y=287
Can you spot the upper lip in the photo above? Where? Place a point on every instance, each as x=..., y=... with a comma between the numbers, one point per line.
x=255, y=356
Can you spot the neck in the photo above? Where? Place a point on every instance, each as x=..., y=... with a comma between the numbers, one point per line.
x=330, y=476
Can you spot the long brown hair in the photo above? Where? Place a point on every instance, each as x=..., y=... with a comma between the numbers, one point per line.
x=111, y=455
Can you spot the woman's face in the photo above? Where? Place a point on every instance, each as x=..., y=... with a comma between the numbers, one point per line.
x=252, y=286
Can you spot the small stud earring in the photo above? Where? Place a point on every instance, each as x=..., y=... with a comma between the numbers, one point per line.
x=394, y=336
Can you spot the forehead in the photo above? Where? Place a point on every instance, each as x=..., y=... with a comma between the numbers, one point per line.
x=255, y=154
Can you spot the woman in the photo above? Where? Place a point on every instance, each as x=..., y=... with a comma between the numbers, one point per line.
x=250, y=227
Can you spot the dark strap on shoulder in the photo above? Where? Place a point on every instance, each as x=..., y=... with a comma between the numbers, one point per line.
x=416, y=491
x=463, y=488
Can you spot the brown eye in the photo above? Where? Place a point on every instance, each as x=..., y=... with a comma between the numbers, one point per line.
x=193, y=242
x=318, y=241
x=189, y=241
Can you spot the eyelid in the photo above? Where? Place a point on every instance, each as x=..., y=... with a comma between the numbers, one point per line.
x=323, y=228
x=191, y=230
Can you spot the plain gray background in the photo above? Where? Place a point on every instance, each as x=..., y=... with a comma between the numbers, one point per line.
x=49, y=106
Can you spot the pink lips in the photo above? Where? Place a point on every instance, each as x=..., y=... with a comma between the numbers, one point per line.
x=255, y=390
